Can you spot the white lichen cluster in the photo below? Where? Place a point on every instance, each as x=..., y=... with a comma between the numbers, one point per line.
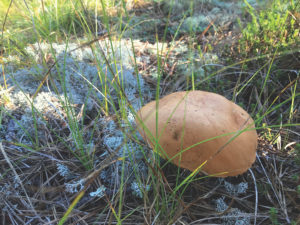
x=233, y=216
x=79, y=78
x=236, y=189
x=75, y=187
x=99, y=192
x=24, y=129
x=138, y=189
x=200, y=65
x=195, y=24
x=63, y=170
x=116, y=140
x=74, y=74
x=204, y=13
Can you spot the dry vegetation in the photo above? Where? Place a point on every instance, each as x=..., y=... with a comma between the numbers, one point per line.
x=77, y=148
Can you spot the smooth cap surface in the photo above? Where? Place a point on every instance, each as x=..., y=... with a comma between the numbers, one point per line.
x=187, y=118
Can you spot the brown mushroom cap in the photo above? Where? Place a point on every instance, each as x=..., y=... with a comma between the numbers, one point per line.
x=187, y=118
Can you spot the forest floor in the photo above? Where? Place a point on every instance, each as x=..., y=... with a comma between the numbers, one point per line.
x=69, y=149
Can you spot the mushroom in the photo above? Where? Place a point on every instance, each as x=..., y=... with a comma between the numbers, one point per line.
x=200, y=130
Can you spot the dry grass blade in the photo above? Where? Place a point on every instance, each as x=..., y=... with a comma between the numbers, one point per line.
x=256, y=195
x=279, y=194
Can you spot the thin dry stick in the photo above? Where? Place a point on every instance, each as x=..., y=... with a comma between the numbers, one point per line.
x=256, y=195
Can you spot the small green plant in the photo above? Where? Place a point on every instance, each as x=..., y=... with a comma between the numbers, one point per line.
x=268, y=133
x=273, y=216
x=272, y=27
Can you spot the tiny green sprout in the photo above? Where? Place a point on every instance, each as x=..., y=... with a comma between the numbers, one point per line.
x=273, y=216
